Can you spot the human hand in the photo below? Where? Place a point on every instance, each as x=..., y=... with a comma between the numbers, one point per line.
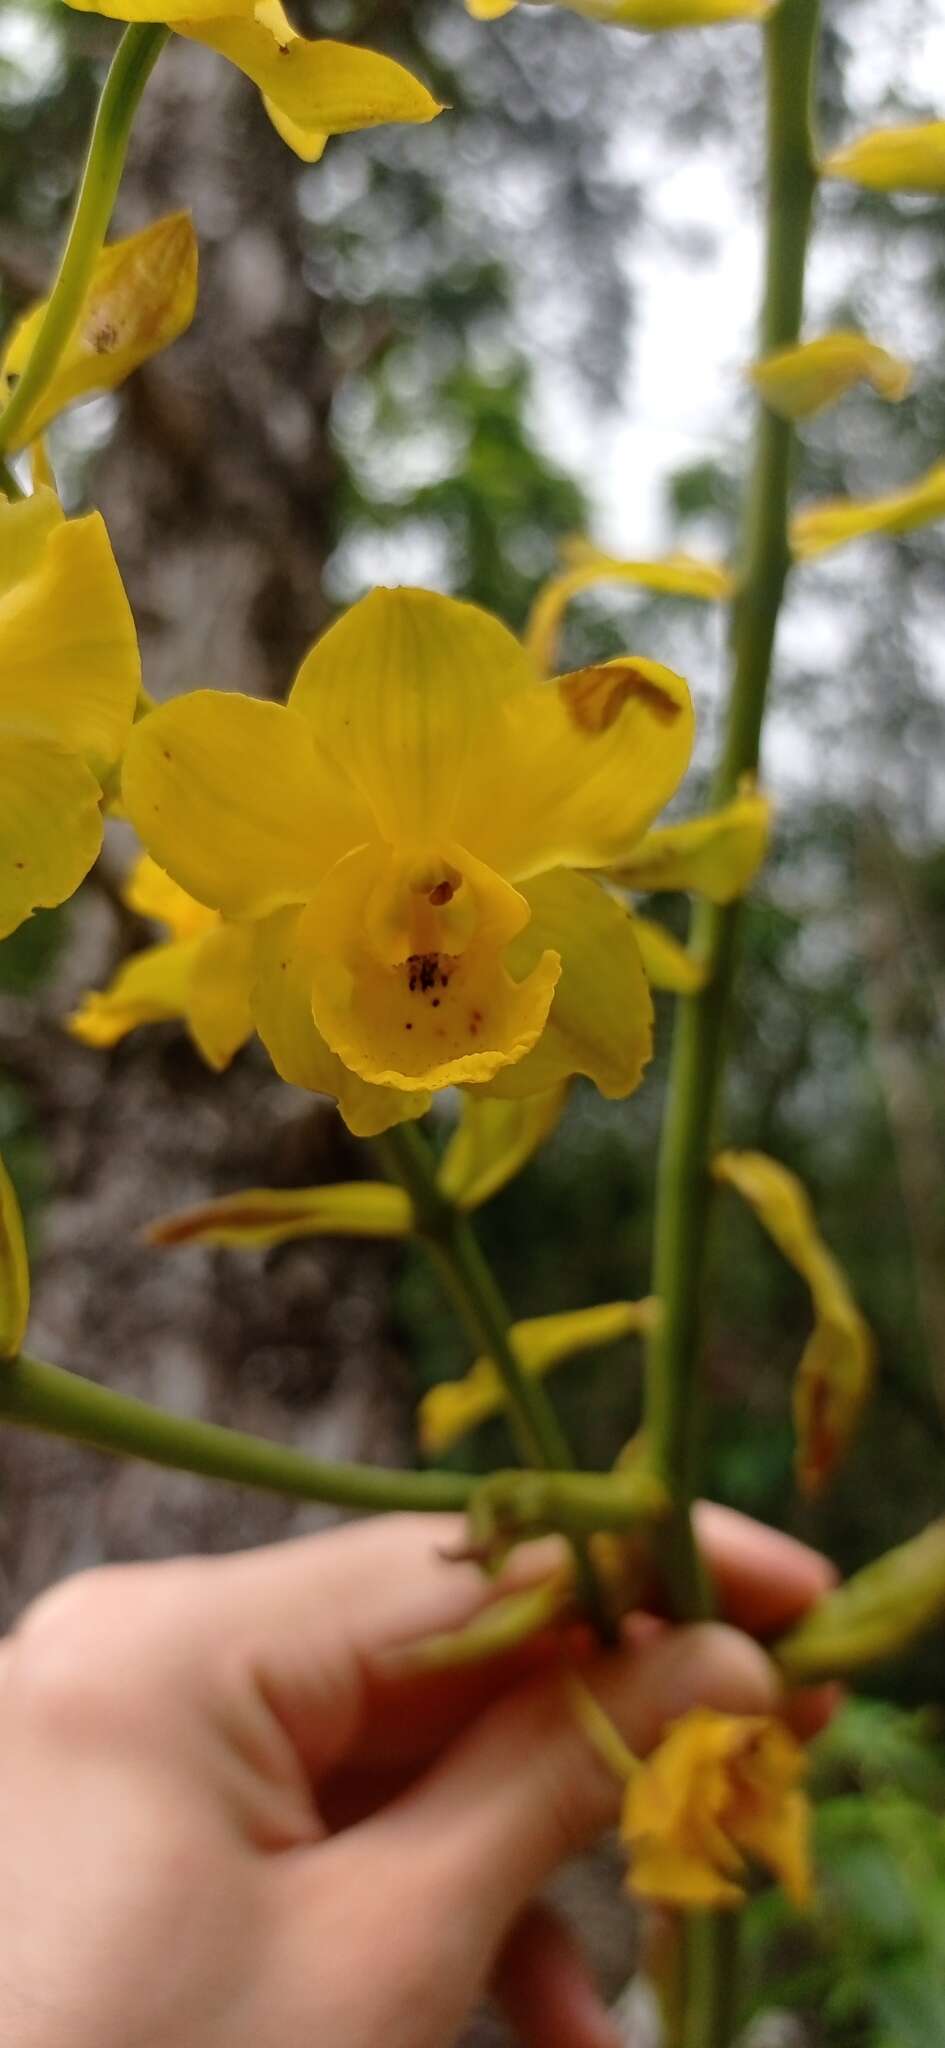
x=227, y=1822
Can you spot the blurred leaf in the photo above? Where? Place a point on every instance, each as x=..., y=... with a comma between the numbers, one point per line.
x=29, y=956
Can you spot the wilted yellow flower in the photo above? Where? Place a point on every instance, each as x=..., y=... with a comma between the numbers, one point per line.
x=255, y=1218
x=491, y=1142
x=141, y=297
x=675, y=575
x=451, y=1409
x=14, y=1270
x=404, y=837
x=800, y=381
x=310, y=90
x=817, y=528
x=647, y=15
x=69, y=673
x=910, y=159
x=200, y=974
x=836, y=1370
x=875, y=1615
x=720, y=1791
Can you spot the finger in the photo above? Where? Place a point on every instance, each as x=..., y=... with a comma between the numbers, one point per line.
x=544, y=1986
x=296, y=1632
x=764, y=1579
x=524, y=1787
x=811, y=1709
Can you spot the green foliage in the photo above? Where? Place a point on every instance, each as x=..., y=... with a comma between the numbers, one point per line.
x=866, y=1968
x=29, y=955
x=497, y=507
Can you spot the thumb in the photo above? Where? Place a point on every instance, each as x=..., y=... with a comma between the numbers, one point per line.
x=524, y=1788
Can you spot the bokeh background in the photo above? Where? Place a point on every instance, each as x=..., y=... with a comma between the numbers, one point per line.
x=430, y=358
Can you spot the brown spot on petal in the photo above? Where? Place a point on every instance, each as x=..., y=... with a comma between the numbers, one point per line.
x=595, y=697
x=104, y=337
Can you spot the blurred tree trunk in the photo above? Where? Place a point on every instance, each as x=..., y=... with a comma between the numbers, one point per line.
x=216, y=488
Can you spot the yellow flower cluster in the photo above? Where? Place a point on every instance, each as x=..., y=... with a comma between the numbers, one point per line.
x=411, y=876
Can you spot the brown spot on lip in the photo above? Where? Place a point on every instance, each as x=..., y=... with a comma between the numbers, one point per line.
x=595, y=697
x=423, y=972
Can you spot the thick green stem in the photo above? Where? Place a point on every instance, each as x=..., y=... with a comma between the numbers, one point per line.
x=452, y=1244
x=131, y=68
x=672, y=1394
x=710, y=1962
x=512, y=1507
x=673, y=1412
x=44, y=1397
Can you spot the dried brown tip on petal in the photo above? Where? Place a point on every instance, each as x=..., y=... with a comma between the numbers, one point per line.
x=595, y=697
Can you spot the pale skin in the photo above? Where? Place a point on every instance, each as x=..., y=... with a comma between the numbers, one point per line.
x=227, y=1820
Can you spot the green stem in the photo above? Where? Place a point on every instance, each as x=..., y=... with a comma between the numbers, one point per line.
x=673, y=1402
x=452, y=1244
x=131, y=67
x=512, y=1507
x=674, y=1394
x=710, y=1962
x=9, y=485
x=44, y=1397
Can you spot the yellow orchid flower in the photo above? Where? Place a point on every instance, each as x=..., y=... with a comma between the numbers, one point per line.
x=800, y=381
x=675, y=575
x=910, y=159
x=836, y=1370
x=720, y=1790
x=817, y=528
x=69, y=673
x=451, y=1409
x=649, y=16
x=141, y=297
x=14, y=1271
x=199, y=973
x=404, y=835
x=310, y=90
